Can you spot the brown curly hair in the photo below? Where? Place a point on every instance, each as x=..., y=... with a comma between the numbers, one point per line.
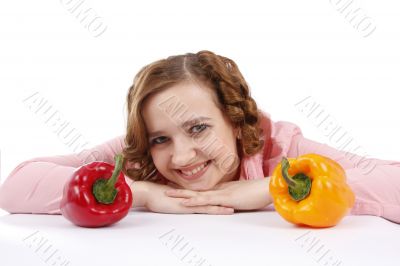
x=220, y=73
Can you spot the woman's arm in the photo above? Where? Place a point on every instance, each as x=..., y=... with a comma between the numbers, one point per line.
x=375, y=182
x=36, y=185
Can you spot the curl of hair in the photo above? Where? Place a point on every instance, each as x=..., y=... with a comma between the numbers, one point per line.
x=220, y=74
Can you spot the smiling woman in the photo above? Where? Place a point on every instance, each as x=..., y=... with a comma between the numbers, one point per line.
x=197, y=143
x=187, y=110
x=184, y=155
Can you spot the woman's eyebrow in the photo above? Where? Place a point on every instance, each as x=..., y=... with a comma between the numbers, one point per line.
x=194, y=121
x=183, y=125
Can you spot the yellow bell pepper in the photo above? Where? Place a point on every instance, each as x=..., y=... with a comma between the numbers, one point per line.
x=311, y=190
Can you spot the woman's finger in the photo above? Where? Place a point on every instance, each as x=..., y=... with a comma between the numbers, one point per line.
x=204, y=199
x=181, y=193
x=218, y=210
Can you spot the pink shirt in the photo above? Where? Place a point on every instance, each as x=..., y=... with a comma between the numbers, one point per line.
x=36, y=186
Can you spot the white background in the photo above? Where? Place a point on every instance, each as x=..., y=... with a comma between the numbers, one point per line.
x=287, y=50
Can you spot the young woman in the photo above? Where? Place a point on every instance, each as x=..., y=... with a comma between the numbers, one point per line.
x=197, y=143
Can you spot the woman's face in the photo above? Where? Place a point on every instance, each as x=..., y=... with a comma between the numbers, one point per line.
x=191, y=141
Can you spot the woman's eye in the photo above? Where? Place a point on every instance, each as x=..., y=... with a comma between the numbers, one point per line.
x=194, y=130
x=200, y=128
x=158, y=140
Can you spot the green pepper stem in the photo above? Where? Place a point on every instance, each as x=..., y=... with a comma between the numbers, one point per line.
x=288, y=178
x=117, y=169
x=104, y=189
x=299, y=185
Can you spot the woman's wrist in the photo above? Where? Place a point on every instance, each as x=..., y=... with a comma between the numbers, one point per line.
x=139, y=191
x=268, y=198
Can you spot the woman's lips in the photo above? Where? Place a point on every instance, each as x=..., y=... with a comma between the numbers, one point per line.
x=196, y=175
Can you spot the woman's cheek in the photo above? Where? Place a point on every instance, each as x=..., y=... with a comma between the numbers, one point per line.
x=227, y=161
x=159, y=161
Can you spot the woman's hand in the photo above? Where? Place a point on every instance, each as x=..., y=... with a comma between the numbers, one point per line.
x=153, y=197
x=240, y=195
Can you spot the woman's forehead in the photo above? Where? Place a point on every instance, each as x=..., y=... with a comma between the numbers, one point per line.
x=180, y=99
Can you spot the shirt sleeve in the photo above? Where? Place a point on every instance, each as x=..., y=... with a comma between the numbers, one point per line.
x=375, y=182
x=36, y=185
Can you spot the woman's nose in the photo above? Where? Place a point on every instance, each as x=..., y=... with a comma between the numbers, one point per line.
x=184, y=152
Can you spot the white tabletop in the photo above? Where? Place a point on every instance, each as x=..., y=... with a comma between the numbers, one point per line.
x=246, y=238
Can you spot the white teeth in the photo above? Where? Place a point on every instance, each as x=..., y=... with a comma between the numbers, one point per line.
x=195, y=170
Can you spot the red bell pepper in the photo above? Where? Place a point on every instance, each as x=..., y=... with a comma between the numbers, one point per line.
x=97, y=195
